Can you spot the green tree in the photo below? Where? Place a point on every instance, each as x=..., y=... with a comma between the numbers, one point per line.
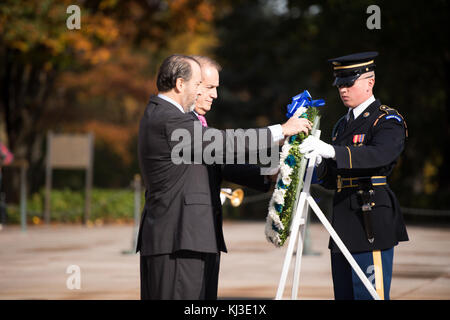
x=272, y=50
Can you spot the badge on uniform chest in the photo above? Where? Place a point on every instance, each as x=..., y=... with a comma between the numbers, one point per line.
x=358, y=139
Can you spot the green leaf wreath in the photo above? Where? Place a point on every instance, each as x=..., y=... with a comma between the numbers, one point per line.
x=289, y=183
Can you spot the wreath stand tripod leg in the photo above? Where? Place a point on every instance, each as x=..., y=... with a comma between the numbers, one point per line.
x=343, y=248
x=299, y=253
x=299, y=222
x=304, y=200
x=290, y=250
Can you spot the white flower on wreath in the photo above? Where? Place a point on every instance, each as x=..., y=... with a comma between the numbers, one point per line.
x=278, y=195
x=300, y=111
x=273, y=217
x=285, y=170
x=271, y=235
x=285, y=151
x=273, y=225
x=286, y=180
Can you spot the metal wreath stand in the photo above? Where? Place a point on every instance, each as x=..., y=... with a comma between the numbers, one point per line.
x=298, y=226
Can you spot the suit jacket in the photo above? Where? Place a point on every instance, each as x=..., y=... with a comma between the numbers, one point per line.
x=248, y=175
x=384, y=137
x=180, y=212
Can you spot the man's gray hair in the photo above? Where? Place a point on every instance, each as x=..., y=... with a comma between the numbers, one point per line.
x=174, y=67
x=205, y=61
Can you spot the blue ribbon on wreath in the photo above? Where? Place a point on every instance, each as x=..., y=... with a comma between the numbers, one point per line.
x=303, y=99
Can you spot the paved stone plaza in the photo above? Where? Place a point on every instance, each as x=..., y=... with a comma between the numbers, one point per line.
x=33, y=264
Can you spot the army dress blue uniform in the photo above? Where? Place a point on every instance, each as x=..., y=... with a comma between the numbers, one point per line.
x=366, y=152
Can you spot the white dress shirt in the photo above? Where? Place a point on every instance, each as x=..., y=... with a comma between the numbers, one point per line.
x=277, y=132
x=359, y=109
x=176, y=104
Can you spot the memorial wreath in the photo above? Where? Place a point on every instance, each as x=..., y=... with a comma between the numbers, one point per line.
x=292, y=169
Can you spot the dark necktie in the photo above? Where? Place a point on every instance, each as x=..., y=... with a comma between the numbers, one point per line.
x=350, y=119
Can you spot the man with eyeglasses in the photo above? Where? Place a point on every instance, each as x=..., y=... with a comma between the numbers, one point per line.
x=366, y=144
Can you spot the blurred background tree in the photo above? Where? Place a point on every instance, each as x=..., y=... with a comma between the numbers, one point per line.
x=272, y=50
x=100, y=77
x=97, y=79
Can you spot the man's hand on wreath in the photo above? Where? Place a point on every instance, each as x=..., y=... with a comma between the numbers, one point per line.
x=296, y=125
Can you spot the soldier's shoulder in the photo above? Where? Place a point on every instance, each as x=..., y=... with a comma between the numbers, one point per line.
x=388, y=110
x=387, y=114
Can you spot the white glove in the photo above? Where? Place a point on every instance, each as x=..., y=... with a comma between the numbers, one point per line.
x=318, y=160
x=313, y=146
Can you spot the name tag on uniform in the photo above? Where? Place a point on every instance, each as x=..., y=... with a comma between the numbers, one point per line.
x=394, y=117
x=358, y=139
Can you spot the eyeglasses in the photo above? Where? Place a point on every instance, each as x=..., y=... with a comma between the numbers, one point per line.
x=350, y=83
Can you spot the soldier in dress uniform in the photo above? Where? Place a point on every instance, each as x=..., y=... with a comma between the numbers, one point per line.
x=366, y=144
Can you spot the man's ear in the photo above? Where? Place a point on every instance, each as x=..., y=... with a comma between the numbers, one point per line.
x=179, y=85
x=371, y=82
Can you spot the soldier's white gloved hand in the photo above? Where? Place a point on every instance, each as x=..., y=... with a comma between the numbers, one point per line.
x=318, y=160
x=313, y=145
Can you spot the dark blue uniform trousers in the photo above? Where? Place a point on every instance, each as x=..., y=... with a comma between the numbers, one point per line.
x=376, y=265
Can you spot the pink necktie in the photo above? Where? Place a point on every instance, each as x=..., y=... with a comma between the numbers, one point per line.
x=202, y=120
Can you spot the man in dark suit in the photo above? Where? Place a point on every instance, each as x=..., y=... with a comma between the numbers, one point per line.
x=248, y=175
x=179, y=235
x=366, y=144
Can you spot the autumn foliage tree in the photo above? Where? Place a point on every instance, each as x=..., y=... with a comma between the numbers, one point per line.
x=97, y=78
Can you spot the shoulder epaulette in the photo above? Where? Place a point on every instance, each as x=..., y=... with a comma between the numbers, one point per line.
x=386, y=111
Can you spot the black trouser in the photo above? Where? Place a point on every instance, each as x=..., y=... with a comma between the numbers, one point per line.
x=182, y=275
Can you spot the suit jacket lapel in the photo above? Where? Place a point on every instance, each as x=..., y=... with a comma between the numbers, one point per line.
x=194, y=116
x=358, y=122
